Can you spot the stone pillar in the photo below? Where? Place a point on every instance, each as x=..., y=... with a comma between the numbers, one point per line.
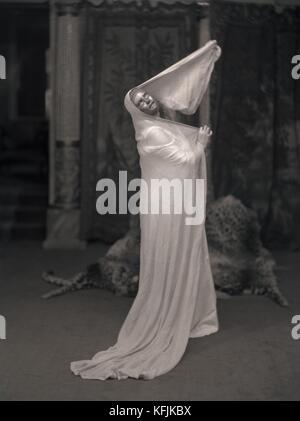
x=63, y=216
x=204, y=117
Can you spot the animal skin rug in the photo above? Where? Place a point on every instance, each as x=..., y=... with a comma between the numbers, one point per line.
x=239, y=262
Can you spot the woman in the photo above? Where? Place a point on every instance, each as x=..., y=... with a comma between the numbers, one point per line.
x=176, y=298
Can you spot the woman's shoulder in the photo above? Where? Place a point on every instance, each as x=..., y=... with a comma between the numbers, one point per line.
x=157, y=136
x=161, y=142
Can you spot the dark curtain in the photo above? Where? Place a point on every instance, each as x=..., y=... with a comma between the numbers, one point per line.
x=256, y=114
x=124, y=46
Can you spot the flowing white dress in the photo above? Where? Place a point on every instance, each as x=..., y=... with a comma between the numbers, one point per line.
x=176, y=298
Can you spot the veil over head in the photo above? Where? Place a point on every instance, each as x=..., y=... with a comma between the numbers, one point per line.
x=180, y=87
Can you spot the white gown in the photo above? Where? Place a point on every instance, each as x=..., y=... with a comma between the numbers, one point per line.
x=176, y=298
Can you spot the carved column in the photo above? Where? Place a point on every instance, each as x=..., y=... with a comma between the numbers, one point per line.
x=204, y=117
x=63, y=217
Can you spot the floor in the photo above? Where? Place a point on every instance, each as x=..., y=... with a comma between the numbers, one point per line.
x=252, y=357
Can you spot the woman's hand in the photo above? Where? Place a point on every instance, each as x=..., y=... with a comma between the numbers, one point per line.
x=204, y=134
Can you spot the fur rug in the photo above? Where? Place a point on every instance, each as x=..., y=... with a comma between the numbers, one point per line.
x=240, y=264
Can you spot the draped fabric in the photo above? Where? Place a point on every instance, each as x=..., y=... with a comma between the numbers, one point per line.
x=256, y=114
x=176, y=298
x=180, y=87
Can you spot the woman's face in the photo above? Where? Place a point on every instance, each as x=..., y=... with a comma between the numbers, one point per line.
x=145, y=103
